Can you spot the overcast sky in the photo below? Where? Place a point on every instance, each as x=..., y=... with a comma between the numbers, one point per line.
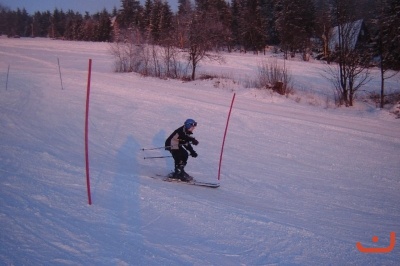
x=92, y=6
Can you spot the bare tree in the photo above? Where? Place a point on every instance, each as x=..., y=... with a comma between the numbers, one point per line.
x=128, y=54
x=203, y=35
x=352, y=59
x=170, y=56
x=348, y=77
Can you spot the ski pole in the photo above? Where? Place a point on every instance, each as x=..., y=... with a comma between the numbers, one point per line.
x=156, y=157
x=157, y=148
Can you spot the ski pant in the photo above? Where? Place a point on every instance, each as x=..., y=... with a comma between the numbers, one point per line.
x=180, y=156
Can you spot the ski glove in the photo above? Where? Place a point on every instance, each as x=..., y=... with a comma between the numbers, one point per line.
x=193, y=154
x=195, y=141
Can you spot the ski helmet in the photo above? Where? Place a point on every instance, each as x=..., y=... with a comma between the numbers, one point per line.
x=190, y=123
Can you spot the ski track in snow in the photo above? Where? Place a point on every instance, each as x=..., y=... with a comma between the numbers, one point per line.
x=300, y=184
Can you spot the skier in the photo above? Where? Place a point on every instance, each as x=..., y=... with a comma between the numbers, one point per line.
x=179, y=144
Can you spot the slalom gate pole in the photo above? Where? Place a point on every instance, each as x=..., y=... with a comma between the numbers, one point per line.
x=156, y=157
x=223, y=141
x=86, y=133
x=59, y=70
x=8, y=72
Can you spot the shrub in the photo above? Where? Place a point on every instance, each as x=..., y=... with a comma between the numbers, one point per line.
x=273, y=76
x=131, y=55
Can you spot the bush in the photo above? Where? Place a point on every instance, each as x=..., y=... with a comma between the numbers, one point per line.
x=131, y=55
x=274, y=77
x=128, y=56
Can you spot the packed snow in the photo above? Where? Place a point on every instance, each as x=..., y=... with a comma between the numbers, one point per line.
x=301, y=182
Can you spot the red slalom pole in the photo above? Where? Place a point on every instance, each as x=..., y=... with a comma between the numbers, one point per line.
x=223, y=141
x=87, y=133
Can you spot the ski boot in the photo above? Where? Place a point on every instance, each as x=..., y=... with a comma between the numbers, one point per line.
x=180, y=174
x=186, y=176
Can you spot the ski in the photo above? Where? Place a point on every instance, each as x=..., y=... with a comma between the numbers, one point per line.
x=193, y=182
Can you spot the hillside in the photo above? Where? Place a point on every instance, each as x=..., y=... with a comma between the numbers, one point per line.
x=301, y=181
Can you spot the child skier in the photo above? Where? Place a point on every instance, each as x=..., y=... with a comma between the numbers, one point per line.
x=179, y=144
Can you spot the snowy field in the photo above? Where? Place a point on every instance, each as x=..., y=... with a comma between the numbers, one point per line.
x=301, y=180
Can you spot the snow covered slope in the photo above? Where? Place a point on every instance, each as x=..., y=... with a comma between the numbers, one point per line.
x=301, y=184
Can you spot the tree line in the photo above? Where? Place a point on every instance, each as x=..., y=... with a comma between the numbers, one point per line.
x=248, y=24
x=201, y=26
x=68, y=25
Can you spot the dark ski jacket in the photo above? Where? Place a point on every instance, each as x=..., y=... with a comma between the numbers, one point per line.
x=180, y=137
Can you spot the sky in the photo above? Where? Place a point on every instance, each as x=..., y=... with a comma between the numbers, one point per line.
x=302, y=181
x=92, y=6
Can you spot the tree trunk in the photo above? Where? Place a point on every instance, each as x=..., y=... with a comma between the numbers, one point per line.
x=193, y=70
x=351, y=97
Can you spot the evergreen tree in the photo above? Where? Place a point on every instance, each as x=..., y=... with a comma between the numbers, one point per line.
x=166, y=25
x=88, y=28
x=268, y=7
x=235, y=23
x=129, y=14
x=183, y=20
x=295, y=24
x=155, y=21
x=184, y=6
x=17, y=23
x=68, y=34
x=104, y=27
x=392, y=30
x=252, y=25
x=323, y=26
x=57, y=21
x=43, y=20
x=114, y=12
x=217, y=13
x=3, y=20
x=386, y=42
x=146, y=22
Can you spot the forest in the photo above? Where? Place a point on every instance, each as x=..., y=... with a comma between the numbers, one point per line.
x=355, y=34
x=249, y=25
